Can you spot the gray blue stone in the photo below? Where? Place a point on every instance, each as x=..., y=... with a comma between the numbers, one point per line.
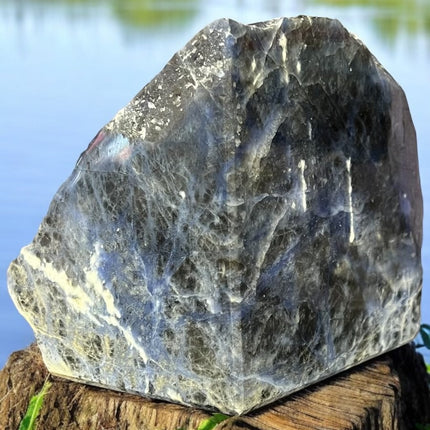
x=249, y=224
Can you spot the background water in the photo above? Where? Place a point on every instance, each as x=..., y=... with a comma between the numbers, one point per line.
x=67, y=66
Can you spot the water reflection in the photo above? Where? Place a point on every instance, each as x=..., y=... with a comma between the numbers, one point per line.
x=390, y=18
x=131, y=13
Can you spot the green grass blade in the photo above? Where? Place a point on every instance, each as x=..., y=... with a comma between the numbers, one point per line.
x=210, y=423
x=36, y=402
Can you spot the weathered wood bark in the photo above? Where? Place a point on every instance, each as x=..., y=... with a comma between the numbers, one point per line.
x=390, y=392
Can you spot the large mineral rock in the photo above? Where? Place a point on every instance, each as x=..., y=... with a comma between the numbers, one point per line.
x=248, y=224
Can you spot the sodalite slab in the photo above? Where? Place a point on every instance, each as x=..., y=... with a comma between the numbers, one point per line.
x=249, y=224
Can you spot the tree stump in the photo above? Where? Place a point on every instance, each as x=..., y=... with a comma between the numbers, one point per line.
x=390, y=392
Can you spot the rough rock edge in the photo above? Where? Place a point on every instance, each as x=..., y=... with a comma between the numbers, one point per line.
x=391, y=392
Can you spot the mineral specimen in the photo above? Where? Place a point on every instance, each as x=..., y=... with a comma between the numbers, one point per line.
x=250, y=223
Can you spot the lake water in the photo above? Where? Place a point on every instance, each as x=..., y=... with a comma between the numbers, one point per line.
x=67, y=67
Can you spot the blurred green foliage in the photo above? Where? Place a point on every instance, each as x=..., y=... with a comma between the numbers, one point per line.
x=389, y=17
x=148, y=13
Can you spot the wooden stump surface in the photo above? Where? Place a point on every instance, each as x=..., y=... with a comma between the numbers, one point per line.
x=390, y=392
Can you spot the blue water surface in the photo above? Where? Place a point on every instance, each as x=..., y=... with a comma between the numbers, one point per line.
x=67, y=67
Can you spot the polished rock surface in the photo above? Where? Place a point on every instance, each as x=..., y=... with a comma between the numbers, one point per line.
x=249, y=224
